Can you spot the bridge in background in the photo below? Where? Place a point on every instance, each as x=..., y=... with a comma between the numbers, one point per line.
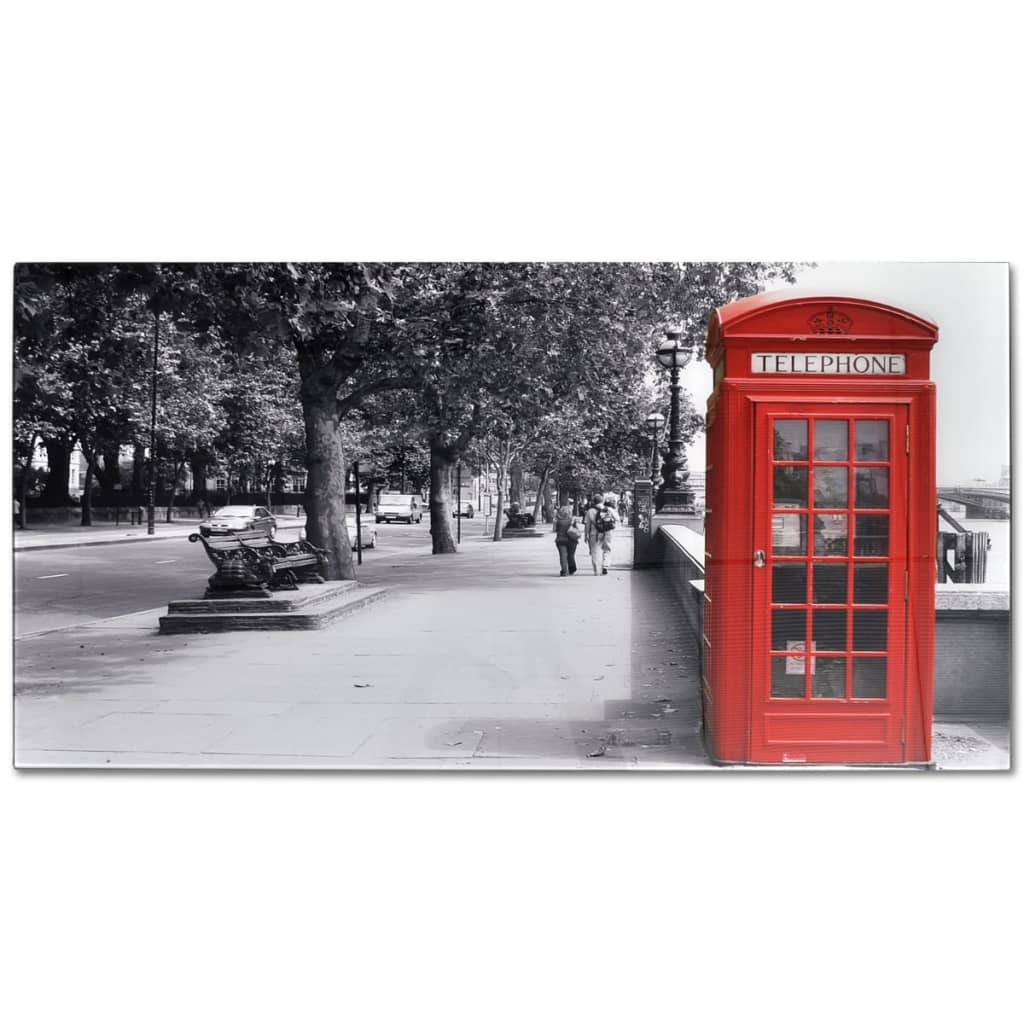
x=979, y=502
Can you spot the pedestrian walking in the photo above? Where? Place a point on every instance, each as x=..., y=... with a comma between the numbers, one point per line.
x=17, y=513
x=567, y=536
x=600, y=522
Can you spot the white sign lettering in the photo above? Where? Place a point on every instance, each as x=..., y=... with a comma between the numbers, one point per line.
x=890, y=364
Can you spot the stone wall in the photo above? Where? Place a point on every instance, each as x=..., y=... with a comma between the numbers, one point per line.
x=972, y=651
x=972, y=630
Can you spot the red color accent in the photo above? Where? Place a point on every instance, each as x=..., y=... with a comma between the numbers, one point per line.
x=744, y=721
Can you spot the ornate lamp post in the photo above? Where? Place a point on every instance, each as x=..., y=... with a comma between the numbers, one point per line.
x=674, y=494
x=654, y=424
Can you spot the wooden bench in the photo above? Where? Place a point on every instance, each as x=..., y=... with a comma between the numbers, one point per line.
x=250, y=560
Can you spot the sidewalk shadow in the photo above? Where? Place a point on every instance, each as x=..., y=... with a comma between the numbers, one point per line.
x=99, y=660
x=657, y=725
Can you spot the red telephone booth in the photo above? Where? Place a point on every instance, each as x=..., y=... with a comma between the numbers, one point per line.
x=820, y=533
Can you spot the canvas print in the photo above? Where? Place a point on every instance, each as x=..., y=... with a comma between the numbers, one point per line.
x=708, y=516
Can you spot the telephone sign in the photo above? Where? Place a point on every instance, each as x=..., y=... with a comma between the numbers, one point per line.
x=893, y=364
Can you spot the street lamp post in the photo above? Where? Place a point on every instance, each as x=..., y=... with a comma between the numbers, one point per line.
x=151, y=503
x=674, y=494
x=458, y=501
x=654, y=424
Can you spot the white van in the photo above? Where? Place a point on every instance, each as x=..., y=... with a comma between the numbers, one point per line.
x=406, y=508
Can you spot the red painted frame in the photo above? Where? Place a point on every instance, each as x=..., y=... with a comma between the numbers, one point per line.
x=737, y=610
x=808, y=728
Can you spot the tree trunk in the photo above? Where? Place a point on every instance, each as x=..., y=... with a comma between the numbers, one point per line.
x=23, y=498
x=90, y=465
x=542, y=486
x=548, y=510
x=58, y=459
x=515, y=488
x=325, y=482
x=23, y=478
x=198, y=465
x=179, y=466
x=107, y=473
x=139, y=475
x=501, y=481
x=442, y=541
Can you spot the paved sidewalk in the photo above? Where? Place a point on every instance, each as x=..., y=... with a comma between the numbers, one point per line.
x=487, y=659
x=514, y=667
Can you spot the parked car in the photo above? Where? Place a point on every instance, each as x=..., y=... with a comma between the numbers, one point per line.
x=406, y=508
x=464, y=508
x=237, y=518
x=367, y=530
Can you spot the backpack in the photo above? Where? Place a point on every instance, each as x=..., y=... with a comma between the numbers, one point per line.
x=604, y=520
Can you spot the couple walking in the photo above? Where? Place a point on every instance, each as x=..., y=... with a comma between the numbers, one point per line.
x=599, y=521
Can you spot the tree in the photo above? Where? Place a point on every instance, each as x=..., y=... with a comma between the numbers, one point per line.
x=519, y=357
x=64, y=318
x=260, y=429
x=325, y=321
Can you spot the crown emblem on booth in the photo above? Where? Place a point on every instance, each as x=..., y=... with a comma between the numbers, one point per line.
x=830, y=322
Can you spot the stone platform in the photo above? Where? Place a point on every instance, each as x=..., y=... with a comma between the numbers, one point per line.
x=312, y=606
x=509, y=532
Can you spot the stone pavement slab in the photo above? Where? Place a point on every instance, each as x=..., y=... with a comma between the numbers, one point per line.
x=483, y=658
x=960, y=745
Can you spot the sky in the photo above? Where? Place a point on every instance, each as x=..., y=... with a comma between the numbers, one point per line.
x=970, y=361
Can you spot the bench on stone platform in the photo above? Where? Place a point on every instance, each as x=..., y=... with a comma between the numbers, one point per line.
x=250, y=561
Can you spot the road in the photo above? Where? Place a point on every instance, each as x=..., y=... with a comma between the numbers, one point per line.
x=57, y=588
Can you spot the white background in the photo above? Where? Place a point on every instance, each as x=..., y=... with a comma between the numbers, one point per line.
x=554, y=130
x=970, y=364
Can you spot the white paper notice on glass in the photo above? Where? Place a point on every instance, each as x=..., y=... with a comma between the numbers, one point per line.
x=795, y=665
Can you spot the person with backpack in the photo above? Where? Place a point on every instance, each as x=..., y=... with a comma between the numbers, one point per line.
x=601, y=521
x=567, y=535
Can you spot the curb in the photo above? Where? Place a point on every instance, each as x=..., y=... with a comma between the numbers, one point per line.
x=119, y=540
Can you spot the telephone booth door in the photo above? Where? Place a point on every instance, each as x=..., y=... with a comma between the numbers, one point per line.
x=830, y=582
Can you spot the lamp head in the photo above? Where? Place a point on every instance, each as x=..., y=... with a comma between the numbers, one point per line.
x=671, y=352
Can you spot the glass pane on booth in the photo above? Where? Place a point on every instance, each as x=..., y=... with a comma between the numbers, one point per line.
x=789, y=534
x=872, y=440
x=872, y=535
x=871, y=583
x=830, y=487
x=788, y=676
x=790, y=489
x=830, y=582
x=828, y=677
x=830, y=629
x=830, y=440
x=830, y=534
x=789, y=628
x=789, y=583
x=869, y=630
x=869, y=677
x=790, y=440
x=872, y=487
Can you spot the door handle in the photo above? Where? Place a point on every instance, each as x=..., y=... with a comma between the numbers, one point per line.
x=759, y=559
